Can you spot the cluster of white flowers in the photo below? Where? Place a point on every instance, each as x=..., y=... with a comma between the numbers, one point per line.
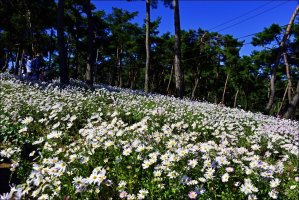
x=111, y=141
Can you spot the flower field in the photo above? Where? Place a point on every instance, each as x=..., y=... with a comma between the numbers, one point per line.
x=74, y=143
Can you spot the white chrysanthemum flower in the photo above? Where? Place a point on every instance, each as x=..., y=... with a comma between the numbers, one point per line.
x=248, y=187
x=274, y=183
x=273, y=194
x=192, y=163
x=225, y=177
x=142, y=194
x=44, y=197
x=229, y=169
x=127, y=151
x=27, y=120
x=123, y=194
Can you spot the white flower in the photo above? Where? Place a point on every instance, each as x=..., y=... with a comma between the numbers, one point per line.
x=6, y=196
x=142, y=194
x=127, y=151
x=122, y=185
x=273, y=194
x=25, y=129
x=96, y=178
x=54, y=134
x=225, y=177
x=274, y=183
x=131, y=197
x=157, y=173
x=252, y=197
x=73, y=118
x=27, y=120
x=123, y=194
x=202, y=179
x=146, y=164
x=229, y=169
x=44, y=197
x=192, y=195
x=248, y=187
x=292, y=187
x=192, y=163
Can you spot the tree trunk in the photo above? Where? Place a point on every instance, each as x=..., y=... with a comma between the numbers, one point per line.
x=170, y=78
x=147, y=46
x=293, y=105
x=6, y=62
x=224, y=89
x=30, y=31
x=113, y=69
x=194, y=88
x=236, y=96
x=21, y=66
x=283, y=98
x=280, y=49
x=90, y=53
x=288, y=76
x=51, y=50
x=64, y=72
x=246, y=100
x=177, y=51
x=120, y=80
x=133, y=80
x=68, y=50
x=11, y=60
x=16, y=66
x=96, y=66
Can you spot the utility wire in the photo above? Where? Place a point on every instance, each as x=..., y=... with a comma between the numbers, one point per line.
x=207, y=54
x=249, y=18
x=245, y=36
x=235, y=18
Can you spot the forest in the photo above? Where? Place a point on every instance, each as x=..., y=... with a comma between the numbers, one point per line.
x=76, y=41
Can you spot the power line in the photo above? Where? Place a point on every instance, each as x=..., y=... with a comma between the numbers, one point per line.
x=245, y=36
x=235, y=18
x=207, y=54
x=249, y=18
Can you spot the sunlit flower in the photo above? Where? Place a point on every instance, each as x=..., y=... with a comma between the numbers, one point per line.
x=192, y=195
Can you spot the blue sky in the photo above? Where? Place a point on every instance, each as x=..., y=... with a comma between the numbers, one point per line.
x=244, y=17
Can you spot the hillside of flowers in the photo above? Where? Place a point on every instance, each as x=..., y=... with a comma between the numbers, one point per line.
x=108, y=143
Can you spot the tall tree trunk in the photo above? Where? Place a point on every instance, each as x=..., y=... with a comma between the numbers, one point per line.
x=283, y=98
x=134, y=72
x=28, y=14
x=16, y=66
x=224, y=89
x=288, y=76
x=51, y=50
x=96, y=66
x=246, y=100
x=113, y=69
x=120, y=79
x=76, y=59
x=170, y=78
x=236, y=97
x=63, y=70
x=194, y=88
x=6, y=62
x=147, y=46
x=21, y=64
x=90, y=53
x=11, y=60
x=280, y=49
x=293, y=105
x=177, y=51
